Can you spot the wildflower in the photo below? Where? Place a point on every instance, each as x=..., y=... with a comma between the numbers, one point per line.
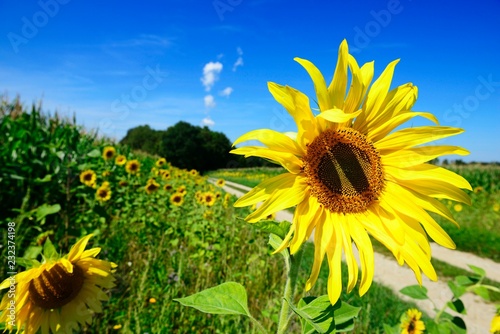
x=151, y=186
x=108, y=153
x=120, y=160
x=350, y=174
x=88, y=177
x=59, y=293
x=161, y=162
x=458, y=207
x=220, y=183
x=177, y=199
x=411, y=323
x=132, y=166
x=103, y=194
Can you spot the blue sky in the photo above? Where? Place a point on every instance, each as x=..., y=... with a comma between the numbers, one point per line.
x=118, y=66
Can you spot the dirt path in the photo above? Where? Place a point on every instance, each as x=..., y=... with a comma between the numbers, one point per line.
x=389, y=273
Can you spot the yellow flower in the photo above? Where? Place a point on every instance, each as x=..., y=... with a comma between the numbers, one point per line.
x=152, y=300
x=165, y=174
x=106, y=173
x=106, y=184
x=478, y=190
x=161, y=162
x=496, y=207
x=59, y=294
x=457, y=207
x=193, y=172
x=132, y=166
x=177, y=199
x=182, y=190
x=123, y=183
x=350, y=174
x=209, y=198
x=88, y=177
x=495, y=323
x=220, y=183
x=411, y=323
x=120, y=160
x=151, y=186
x=108, y=153
x=103, y=194
x=167, y=187
x=116, y=327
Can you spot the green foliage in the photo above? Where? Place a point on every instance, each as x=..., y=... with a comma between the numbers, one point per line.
x=184, y=145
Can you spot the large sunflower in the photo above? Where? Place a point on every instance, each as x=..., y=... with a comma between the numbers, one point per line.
x=60, y=294
x=350, y=174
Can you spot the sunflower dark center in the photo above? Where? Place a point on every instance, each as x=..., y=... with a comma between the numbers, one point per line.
x=56, y=287
x=87, y=177
x=343, y=170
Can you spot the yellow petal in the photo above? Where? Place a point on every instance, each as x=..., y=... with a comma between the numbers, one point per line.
x=334, y=254
x=419, y=155
x=77, y=250
x=305, y=216
x=411, y=137
x=285, y=159
x=263, y=190
x=338, y=85
x=324, y=101
x=280, y=199
x=322, y=240
x=428, y=172
x=273, y=140
x=352, y=264
x=438, y=189
x=365, y=249
x=297, y=105
x=338, y=115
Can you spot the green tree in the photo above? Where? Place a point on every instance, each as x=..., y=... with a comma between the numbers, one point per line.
x=143, y=138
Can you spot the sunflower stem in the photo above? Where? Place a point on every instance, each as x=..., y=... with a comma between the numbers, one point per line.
x=292, y=268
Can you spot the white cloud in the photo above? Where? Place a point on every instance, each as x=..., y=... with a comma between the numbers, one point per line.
x=207, y=121
x=211, y=73
x=226, y=92
x=209, y=101
x=239, y=61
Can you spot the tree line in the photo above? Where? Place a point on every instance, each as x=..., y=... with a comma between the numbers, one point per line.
x=188, y=146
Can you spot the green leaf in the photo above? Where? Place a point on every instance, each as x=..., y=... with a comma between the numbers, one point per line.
x=94, y=153
x=32, y=252
x=457, y=305
x=391, y=330
x=482, y=292
x=27, y=263
x=479, y=271
x=458, y=325
x=47, y=178
x=415, y=292
x=270, y=226
x=465, y=280
x=227, y=298
x=45, y=210
x=320, y=315
x=458, y=290
x=49, y=251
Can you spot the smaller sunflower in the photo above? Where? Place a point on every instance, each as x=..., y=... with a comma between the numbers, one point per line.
x=177, y=199
x=106, y=173
x=194, y=172
x=167, y=187
x=411, y=323
x=108, y=153
x=88, y=177
x=123, y=183
x=120, y=160
x=478, y=190
x=161, y=162
x=103, y=194
x=151, y=186
x=496, y=207
x=133, y=166
x=182, y=190
x=59, y=294
x=165, y=174
x=220, y=183
x=209, y=198
x=458, y=207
